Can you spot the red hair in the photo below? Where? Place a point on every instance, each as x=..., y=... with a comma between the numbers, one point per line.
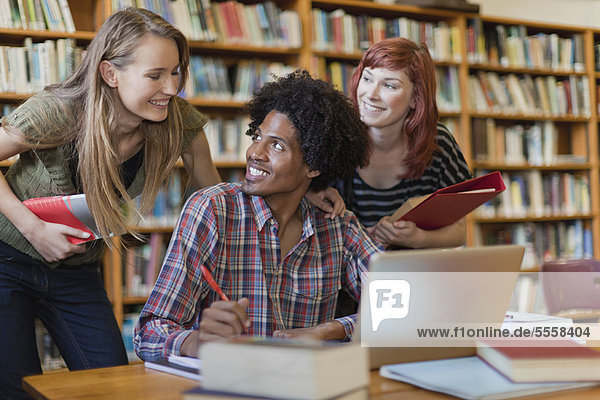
x=420, y=127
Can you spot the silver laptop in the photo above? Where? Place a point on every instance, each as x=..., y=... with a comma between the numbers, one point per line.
x=440, y=298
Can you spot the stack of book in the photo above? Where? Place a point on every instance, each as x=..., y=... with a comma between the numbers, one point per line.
x=531, y=361
x=283, y=369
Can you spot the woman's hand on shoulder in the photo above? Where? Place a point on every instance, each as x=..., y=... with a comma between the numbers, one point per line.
x=50, y=240
x=328, y=200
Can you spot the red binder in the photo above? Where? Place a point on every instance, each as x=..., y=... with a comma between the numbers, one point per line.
x=69, y=210
x=447, y=205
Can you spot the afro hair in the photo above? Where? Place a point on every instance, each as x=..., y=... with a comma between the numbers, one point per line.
x=331, y=135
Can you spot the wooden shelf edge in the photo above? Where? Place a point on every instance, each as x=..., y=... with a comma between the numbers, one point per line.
x=134, y=300
x=554, y=167
x=243, y=48
x=511, y=220
x=153, y=229
x=83, y=35
x=14, y=97
x=529, y=117
x=206, y=102
x=524, y=70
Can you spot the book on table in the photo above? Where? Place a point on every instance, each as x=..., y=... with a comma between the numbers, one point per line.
x=71, y=210
x=527, y=361
x=284, y=369
x=201, y=393
x=469, y=378
x=447, y=205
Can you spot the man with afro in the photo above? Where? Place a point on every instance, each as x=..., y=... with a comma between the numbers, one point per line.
x=279, y=261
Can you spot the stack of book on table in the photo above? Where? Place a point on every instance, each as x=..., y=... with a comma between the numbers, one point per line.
x=505, y=369
x=259, y=368
x=527, y=361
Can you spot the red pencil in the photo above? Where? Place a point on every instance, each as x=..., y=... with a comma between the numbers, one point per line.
x=213, y=284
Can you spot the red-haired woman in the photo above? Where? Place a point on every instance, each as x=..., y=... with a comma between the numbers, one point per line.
x=393, y=87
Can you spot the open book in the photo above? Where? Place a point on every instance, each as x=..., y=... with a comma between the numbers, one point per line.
x=447, y=205
x=71, y=210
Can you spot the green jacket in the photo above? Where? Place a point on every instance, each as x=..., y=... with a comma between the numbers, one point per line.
x=45, y=172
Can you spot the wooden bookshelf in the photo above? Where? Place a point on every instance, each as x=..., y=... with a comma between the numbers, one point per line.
x=578, y=133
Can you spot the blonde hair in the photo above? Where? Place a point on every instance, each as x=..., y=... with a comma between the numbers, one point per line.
x=93, y=131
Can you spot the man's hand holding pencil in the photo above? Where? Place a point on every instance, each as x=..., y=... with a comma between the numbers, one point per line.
x=223, y=319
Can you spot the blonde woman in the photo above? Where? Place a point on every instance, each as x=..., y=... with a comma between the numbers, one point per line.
x=112, y=131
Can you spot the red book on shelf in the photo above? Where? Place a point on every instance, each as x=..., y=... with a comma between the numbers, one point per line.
x=449, y=204
x=520, y=361
x=71, y=210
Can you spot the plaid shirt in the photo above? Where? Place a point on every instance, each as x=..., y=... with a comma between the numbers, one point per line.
x=235, y=236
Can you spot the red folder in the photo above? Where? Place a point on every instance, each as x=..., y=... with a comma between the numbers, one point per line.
x=69, y=210
x=447, y=205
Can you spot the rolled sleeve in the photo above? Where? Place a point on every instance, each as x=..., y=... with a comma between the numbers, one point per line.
x=171, y=312
x=349, y=323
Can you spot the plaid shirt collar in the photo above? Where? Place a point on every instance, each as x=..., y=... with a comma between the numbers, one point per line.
x=263, y=214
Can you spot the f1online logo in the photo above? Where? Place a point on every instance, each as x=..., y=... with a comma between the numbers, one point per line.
x=388, y=299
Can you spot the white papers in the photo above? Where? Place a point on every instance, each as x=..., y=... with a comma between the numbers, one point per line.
x=468, y=378
x=188, y=367
x=514, y=320
x=191, y=362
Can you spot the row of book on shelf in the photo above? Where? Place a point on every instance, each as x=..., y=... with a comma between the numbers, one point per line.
x=597, y=57
x=127, y=328
x=512, y=46
x=524, y=94
x=534, y=193
x=536, y=144
x=210, y=77
x=341, y=32
x=6, y=109
x=173, y=193
x=258, y=24
x=543, y=241
x=142, y=264
x=39, y=15
x=527, y=295
x=227, y=138
x=167, y=205
x=48, y=352
x=228, y=143
x=29, y=68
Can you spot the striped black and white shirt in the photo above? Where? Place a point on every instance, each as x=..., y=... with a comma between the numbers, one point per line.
x=370, y=204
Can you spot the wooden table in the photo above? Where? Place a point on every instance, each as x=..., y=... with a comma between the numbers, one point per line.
x=136, y=382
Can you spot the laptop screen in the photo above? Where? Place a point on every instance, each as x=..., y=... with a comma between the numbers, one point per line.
x=411, y=290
